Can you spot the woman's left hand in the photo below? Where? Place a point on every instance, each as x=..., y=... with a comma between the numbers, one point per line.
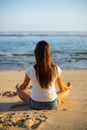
x=68, y=86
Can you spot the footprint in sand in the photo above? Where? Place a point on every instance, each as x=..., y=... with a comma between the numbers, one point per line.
x=9, y=94
x=34, y=123
x=21, y=119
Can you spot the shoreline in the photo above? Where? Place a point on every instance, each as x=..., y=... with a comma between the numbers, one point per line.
x=26, y=67
x=71, y=115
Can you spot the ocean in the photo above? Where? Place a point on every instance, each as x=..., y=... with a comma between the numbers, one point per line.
x=69, y=49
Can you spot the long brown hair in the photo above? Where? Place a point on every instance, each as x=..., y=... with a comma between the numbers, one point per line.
x=46, y=71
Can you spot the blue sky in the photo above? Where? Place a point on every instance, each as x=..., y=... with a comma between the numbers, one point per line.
x=43, y=15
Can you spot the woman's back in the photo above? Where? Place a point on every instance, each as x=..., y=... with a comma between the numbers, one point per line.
x=39, y=93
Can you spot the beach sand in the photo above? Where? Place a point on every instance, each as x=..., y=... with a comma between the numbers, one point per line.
x=15, y=115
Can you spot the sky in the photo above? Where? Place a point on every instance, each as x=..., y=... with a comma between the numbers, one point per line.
x=43, y=15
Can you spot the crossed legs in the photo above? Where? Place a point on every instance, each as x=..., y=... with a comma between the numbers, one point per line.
x=24, y=95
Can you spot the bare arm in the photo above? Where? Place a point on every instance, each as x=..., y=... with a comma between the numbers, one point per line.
x=24, y=84
x=61, y=85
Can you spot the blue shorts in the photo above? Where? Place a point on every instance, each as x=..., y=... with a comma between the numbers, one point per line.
x=42, y=105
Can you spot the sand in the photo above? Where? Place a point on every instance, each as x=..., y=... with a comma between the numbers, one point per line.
x=15, y=115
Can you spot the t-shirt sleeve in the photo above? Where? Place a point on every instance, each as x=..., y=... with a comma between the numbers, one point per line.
x=59, y=71
x=29, y=72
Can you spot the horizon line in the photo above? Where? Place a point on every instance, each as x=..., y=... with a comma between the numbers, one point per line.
x=41, y=31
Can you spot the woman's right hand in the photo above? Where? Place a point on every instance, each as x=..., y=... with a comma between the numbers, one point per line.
x=18, y=86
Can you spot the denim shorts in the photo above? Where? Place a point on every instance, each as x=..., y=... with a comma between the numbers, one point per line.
x=43, y=105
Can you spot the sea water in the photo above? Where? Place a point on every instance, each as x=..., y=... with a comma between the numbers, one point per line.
x=69, y=49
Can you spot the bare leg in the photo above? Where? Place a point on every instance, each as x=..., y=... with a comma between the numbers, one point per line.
x=24, y=95
x=63, y=95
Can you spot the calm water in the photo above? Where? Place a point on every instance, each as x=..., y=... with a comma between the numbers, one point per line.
x=69, y=50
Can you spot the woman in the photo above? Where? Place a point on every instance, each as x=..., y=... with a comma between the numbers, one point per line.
x=44, y=76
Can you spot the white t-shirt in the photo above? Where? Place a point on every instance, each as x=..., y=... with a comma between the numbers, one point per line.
x=38, y=93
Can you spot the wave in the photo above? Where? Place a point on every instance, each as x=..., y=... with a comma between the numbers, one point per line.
x=13, y=55
x=45, y=34
x=81, y=53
